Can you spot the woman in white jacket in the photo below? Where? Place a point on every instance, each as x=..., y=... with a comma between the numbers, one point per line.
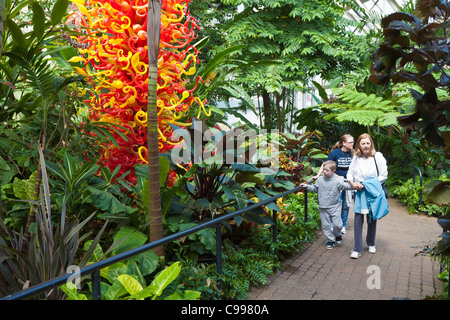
x=367, y=163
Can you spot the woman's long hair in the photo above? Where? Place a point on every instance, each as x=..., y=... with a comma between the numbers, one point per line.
x=358, y=151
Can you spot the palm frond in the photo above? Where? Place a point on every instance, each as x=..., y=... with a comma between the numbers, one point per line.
x=37, y=72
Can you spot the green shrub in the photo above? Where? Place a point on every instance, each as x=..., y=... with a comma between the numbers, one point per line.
x=408, y=193
x=201, y=277
x=249, y=261
x=254, y=260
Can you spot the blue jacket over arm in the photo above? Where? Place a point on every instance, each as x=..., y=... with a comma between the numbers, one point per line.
x=371, y=199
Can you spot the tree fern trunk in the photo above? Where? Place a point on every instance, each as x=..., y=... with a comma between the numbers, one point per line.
x=267, y=110
x=278, y=100
x=153, y=30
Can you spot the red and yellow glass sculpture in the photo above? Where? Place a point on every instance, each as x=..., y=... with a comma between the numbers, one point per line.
x=114, y=57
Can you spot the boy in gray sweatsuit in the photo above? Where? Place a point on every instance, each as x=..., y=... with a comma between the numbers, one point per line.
x=329, y=187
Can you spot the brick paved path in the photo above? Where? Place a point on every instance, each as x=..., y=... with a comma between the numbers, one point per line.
x=318, y=273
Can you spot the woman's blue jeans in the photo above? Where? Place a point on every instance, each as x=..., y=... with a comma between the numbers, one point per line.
x=344, y=208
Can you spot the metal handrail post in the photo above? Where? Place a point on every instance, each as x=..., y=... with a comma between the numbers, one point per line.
x=275, y=230
x=219, y=254
x=306, y=204
x=421, y=185
x=96, y=287
x=414, y=176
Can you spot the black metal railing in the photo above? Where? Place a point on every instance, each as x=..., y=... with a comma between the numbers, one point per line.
x=94, y=269
x=414, y=175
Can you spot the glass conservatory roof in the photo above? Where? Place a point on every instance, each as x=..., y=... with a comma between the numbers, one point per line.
x=376, y=8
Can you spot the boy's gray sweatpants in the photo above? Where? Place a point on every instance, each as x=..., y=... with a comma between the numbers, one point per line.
x=331, y=221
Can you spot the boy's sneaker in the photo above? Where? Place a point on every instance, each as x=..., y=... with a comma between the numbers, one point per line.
x=372, y=249
x=355, y=255
x=338, y=239
x=343, y=230
x=330, y=245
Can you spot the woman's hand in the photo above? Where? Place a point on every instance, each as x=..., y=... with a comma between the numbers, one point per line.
x=359, y=186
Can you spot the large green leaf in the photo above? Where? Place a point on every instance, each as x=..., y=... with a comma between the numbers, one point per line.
x=244, y=167
x=217, y=59
x=242, y=177
x=263, y=196
x=164, y=169
x=16, y=33
x=438, y=192
x=214, y=65
x=199, y=44
x=70, y=289
x=24, y=189
x=108, y=202
x=112, y=272
x=234, y=191
x=55, y=170
x=97, y=253
x=104, y=133
x=161, y=281
x=135, y=272
x=165, y=277
x=186, y=295
x=132, y=239
x=6, y=172
x=38, y=20
x=130, y=284
x=208, y=238
x=103, y=128
x=84, y=173
x=58, y=11
x=147, y=262
x=258, y=216
x=70, y=165
x=18, y=7
x=239, y=93
x=113, y=292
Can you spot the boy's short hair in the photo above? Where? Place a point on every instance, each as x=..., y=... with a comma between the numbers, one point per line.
x=330, y=164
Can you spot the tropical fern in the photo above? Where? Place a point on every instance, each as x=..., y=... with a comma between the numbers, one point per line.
x=362, y=100
x=245, y=267
x=364, y=109
x=362, y=117
x=388, y=119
